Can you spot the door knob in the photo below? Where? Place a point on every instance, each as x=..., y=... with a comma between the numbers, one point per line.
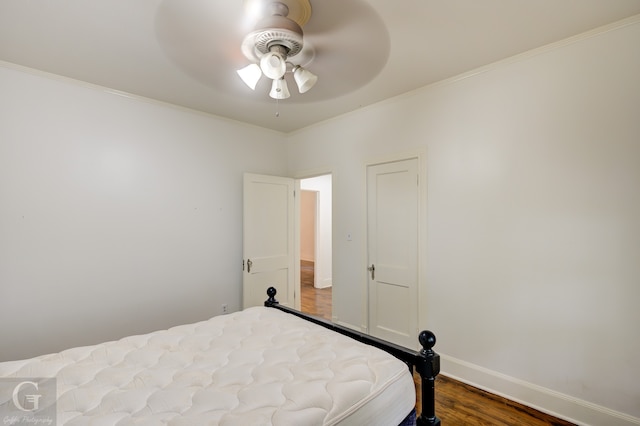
x=372, y=269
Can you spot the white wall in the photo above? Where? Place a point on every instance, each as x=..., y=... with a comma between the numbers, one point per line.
x=531, y=265
x=322, y=184
x=117, y=215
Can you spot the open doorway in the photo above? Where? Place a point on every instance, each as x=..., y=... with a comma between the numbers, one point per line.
x=316, y=246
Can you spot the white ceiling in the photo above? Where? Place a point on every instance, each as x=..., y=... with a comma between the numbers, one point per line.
x=185, y=52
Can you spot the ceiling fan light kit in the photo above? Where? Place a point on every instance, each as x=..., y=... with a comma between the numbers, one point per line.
x=305, y=79
x=276, y=37
x=279, y=89
x=273, y=63
x=250, y=75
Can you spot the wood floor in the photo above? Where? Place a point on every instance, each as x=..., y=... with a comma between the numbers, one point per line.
x=456, y=403
x=314, y=301
x=460, y=404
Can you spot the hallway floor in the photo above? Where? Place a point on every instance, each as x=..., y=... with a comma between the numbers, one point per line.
x=314, y=301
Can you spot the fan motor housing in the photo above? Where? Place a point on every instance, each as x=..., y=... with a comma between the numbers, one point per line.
x=261, y=39
x=276, y=29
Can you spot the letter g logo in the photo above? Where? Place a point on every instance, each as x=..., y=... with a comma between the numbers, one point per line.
x=33, y=399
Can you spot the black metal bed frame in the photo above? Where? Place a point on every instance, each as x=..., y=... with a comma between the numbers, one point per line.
x=426, y=362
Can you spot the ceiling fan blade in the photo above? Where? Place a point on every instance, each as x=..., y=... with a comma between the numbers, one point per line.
x=351, y=45
x=203, y=38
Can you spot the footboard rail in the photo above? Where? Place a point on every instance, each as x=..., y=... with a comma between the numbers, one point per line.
x=426, y=362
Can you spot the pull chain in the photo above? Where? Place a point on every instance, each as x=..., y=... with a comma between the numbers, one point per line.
x=277, y=107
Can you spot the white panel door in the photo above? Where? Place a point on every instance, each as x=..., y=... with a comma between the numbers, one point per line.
x=392, y=232
x=268, y=239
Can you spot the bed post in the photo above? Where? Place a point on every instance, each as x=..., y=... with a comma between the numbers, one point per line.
x=428, y=367
x=426, y=362
x=271, y=292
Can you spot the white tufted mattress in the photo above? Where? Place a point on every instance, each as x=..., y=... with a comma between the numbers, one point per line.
x=256, y=367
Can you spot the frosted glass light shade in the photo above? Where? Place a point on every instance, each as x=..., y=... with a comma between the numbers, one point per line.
x=273, y=65
x=250, y=75
x=279, y=89
x=305, y=79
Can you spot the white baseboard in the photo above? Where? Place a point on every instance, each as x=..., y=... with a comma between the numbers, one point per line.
x=326, y=283
x=546, y=400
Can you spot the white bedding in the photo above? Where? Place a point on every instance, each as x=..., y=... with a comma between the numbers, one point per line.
x=255, y=367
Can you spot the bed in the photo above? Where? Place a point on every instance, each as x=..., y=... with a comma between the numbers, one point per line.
x=262, y=366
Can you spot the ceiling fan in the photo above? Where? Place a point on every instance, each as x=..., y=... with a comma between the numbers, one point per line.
x=276, y=38
x=345, y=43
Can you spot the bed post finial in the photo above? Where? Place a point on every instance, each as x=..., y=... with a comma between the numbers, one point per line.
x=428, y=368
x=271, y=292
x=427, y=341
